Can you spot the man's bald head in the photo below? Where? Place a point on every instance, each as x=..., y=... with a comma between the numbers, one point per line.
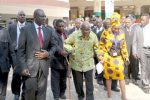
x=85, y=25
x=21, y=16
x=86, y=29
x=39, y=16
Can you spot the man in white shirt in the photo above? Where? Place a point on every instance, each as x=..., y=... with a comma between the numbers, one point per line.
x=14, y=31
x=141, y=49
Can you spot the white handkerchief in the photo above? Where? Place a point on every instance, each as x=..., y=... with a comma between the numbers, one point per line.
x=99, y=68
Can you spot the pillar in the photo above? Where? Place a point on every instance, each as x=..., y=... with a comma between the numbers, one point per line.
x=109, y=8
x=138, y=10
x=97, y=8
x=81, y=12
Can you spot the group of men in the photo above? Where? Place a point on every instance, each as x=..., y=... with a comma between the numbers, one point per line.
x=30, y=48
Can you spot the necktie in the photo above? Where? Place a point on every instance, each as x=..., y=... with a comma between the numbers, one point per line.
x=40, y=37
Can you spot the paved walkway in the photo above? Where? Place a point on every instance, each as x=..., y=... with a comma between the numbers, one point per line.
x=133, y=92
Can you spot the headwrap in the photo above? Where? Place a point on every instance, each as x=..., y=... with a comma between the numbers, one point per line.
x=115, y=19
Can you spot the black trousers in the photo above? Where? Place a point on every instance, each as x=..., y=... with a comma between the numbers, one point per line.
x=16, y=84
x=3, y=85
x=132, y=70
x=78, y=81
x=58, y=82
x=113, y=84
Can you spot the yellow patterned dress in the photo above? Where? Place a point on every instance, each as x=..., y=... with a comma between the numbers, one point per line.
x=113, y=66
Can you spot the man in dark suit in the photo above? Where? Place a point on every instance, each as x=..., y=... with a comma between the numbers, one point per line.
x=76, y=27
x=99, y=28
x=14, y=31
x=7, y=54
x=36, y=46
x=59, y=63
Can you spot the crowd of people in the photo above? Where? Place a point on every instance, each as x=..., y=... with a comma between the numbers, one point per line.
x=31, y=49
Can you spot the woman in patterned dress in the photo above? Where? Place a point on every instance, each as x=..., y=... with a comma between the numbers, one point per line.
x=113, y=53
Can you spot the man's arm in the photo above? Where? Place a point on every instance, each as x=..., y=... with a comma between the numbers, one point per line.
x=136, y=43
x=69, y=42
x=21, y=52
x=12, y=55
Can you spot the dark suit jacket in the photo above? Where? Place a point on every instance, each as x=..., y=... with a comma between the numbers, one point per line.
x=58, y=61
x=72, y=30
x=98, y=34
x=6, y=51
x=13, y=33
x=29, y=44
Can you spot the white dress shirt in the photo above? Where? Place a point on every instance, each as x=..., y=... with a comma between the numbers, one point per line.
x=146, y=35
x=19, y=26
x=37, y=29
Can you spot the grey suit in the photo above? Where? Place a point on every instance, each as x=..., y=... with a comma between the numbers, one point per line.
x=143, y=54
x=36, y=84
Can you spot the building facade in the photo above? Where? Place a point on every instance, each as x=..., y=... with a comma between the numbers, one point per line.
x=85, y=8
x=53, y=8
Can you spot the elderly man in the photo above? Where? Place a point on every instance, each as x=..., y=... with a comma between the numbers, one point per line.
x=14, y=31
x=131, y=71
x=81, y=44
x=7, y=54
x=36, y=46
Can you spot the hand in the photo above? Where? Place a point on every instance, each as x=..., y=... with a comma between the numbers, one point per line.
x=135, y=56
x=25, y=72
x=41, y=54
x=127, y=60
x=101, y=58
x=63, y=53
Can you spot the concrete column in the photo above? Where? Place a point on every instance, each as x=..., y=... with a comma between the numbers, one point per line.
x=81, y=12
x=97, y=8
x=138, y=9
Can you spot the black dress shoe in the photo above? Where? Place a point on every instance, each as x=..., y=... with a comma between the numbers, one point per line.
x=134, y=82
x=138, y=77
x=63, y=96
x=127, y=81
x=100, y=82
x=16, y=97
x=115, y=89
x=56, y=98
x=105, y=88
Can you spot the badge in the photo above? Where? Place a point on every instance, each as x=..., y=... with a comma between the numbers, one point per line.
x=115, y=54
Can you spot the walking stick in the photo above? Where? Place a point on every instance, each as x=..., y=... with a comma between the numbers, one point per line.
x=68, y=75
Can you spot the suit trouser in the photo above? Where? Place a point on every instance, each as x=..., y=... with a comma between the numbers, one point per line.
x=16, y=84
x=35, y=87
x=113, y=84
x=78, y=81
x=3, y=85
x=58, y=82
x=133, y=69
x=145, y=67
